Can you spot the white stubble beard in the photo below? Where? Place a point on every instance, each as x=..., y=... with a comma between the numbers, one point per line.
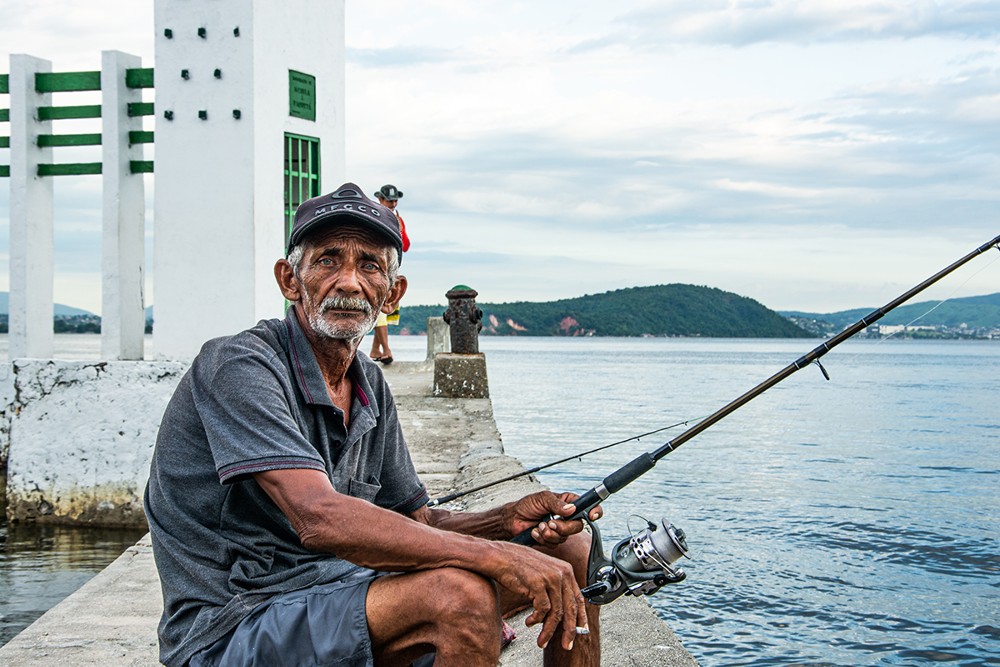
x=340, y=330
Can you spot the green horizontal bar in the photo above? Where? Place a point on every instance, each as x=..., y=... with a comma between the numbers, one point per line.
x=69, y=140
x=140, y=137
x=62, y=113
x=140, y=109
x=141, y=77
x=4, y=83
x=72, y=169
x=141, y=166
x=5, y=170
x=4, y=115
x=4, y=142
x=62, y=82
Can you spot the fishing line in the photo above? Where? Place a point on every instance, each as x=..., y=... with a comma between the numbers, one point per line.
x=945, y=300
x=433, y=502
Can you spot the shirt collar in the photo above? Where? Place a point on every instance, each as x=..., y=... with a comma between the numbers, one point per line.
x=310, y=378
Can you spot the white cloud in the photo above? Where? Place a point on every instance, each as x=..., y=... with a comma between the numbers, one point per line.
x=805, y=153
x=746, y=22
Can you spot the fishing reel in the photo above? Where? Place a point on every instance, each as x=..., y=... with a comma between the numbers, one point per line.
x=639, y=565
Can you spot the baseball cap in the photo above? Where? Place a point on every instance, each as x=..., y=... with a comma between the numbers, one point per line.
x=344, y=206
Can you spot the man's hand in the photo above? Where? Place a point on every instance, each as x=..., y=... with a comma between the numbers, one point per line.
x=550, y=587
x=529, y=512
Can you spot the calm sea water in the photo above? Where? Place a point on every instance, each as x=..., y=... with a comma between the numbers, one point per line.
x=40, y=566
x=850, y=522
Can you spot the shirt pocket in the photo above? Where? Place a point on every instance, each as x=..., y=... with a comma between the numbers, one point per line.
x=364, y=490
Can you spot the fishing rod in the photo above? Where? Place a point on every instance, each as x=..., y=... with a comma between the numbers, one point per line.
x=434, y=502
x=642, y=564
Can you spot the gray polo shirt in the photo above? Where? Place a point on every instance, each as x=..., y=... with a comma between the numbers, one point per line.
x=252, y=402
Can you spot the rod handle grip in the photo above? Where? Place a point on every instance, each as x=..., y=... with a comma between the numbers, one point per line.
x=583, y=505
x=628, y=473
x=525, y=538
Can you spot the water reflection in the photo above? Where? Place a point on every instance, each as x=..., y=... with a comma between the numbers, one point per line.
x=41, y=565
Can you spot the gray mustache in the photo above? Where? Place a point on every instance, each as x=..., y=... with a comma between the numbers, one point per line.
x=345, y=303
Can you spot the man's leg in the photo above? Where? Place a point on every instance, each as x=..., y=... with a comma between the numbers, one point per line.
x=380, y=342
x=586, y=648
x=450, y=611
x=383, y=340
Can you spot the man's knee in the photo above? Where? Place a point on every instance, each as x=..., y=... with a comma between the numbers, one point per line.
x=452, y=611
x=462, y=594
x=468, y=612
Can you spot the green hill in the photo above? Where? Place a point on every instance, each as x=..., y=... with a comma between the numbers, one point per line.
x=660, y=310
x=58, y=309
x=973, y=311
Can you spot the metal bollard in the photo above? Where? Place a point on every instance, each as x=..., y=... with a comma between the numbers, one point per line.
x=461, y=373
x=464, y=319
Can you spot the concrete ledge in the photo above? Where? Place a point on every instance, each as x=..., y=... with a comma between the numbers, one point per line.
x=112, y=619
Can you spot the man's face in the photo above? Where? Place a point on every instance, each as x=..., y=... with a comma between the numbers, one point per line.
x=388, y=203
x=344, y=281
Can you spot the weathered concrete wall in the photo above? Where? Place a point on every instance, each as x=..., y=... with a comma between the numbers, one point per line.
x=80, y=436
x=460, y=376
x=6, y=400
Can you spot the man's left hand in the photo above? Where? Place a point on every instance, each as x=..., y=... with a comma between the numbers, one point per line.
x=529, y=512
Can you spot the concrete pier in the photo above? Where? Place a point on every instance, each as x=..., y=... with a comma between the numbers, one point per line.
x=455, y=444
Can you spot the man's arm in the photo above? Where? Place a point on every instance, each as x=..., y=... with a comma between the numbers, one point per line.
x=374, y=537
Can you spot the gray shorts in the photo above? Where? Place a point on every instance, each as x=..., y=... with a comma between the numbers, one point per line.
x=322, y=625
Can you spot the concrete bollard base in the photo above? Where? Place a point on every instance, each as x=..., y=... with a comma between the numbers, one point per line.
x=460, y=376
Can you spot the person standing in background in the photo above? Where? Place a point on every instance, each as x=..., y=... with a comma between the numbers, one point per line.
x=388, y=196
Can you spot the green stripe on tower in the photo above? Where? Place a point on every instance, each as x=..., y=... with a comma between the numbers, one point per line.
x=140, y=137
x=69, y=140
x=67, y=112
x=140, y=77
x=61, y=82
x=140, y=109
x=71, y=169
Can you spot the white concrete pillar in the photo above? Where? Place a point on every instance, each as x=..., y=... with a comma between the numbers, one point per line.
x=222, y=111
x=31, y=218
x=438, y=337
x=123, y=321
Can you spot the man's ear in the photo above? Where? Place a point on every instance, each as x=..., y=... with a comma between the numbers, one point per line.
x=395, y=295
x=289, y=285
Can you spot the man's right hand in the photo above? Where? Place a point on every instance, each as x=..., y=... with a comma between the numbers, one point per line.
x=551, y=588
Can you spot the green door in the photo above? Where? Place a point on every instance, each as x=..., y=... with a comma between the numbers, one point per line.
x=301, y=174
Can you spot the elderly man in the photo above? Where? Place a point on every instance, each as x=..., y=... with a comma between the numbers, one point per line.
x=288, y=523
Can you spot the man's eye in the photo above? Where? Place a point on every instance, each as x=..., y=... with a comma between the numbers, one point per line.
x=371, y=266
x=325, y=261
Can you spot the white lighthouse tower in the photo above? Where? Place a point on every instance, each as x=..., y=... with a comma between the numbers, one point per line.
x=249, y=122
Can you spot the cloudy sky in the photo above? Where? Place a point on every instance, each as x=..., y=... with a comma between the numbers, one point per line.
x=815, y=155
